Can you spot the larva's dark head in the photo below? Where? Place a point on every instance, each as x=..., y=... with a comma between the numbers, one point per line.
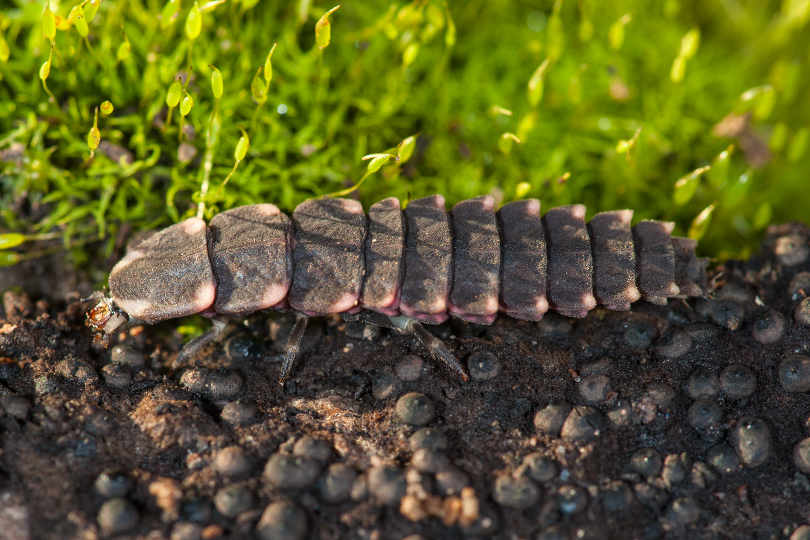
x=104, y=318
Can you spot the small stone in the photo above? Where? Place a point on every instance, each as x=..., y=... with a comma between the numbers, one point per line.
x=194, y=379
x=386, y=483
x=554, y=326
x=483, y=366
x=361, y=330
x=410, y=368
x=15, y=406
x=414, y=409
x=674, y=345
x=703, y=383
x=701, y=332
x=571, y=499
x=71, y=368
x=187, y=531
x=621, y=415
x=282, y=520
x=726, y=313
x=313, y=447
x=550, y=419
x=769, y=327
x=239, y=413
x=794, y=373
x=791, y=249
x=430, y=461
x=112, y=483
x=802, y=313
x=291, y=472
x=336, y=484
x=751, y=439
x=617, y=497
x=582, y=425
x=520, y=493
x=450, y=481
x=197, y=510
x=428, y=438
x=676, y=468
x=601, y=366
x=223, y=385
x=639, y=334
x=241, y=348
x=661, y=394
x=594, y=388
x=702, y=475
x=801, y=455
x=384, y=384
x=723, y=459
x=127, y=356
x=116, y=376
x=684, y=511
x=650, y=496
x=232, y=461
x=539, y=467
x=737, y=382
x=233, y=500
x=704, y=414
x=647, y=462
x=799, y=286
x=735, y=293
x=801, y=533
x=117, y=516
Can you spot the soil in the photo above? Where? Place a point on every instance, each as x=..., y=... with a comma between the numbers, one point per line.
x=120, y=442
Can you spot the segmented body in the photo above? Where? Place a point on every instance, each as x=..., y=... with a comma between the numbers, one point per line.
x=423, y=262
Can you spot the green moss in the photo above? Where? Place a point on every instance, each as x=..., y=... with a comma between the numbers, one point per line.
x=629, y=100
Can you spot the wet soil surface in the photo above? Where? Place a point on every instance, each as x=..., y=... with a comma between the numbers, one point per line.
x=684, y=421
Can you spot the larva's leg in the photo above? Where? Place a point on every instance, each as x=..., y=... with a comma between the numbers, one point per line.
x=433, y=344
x=193, y=347
x=292, y=347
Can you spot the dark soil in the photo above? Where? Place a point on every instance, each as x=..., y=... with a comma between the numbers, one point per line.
x=119, y=442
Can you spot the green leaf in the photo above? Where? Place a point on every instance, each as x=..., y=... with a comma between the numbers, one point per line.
x=174, y=93
x=48, y=23
x=8, y=258
x=686, y=186
x=323, y=30
x=10, y=240
x=535, y=87
x=194, y=22
x=216, y=82
x=701, y=223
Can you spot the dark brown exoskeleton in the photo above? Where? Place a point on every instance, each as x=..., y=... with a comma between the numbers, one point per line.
x=396, y=268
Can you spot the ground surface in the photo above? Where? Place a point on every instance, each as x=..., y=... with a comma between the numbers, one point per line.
x=685, y=424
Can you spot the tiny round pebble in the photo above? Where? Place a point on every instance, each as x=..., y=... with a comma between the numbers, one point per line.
x=723, y=459
x=571, y=499
x=117, y=516
x=539, y=467
x=291, y=472
x=801, y=533
x=15, y=406
x=186, y=531
x=519, y=493
x=617, y=497
x=802, y=313
x=704, y=414
x=127, y=356
x=313, y=447
x=239, y=413
x=116, y=376
x=647, y=462
x=197, y=510
x=751, y=439
x=639, y=334
x=112, y=483
x=737, y=382
x=794, y=373
x=550, y=419
x=451, y=481
x=581, y=425
x=414, y=409
x=410, y=368
x=385, y=384
x=336, y=484
x=282, y=520
x=232, y=461
x=223, y=384
x=769, y=327
x=701, y=332
x=674, y=345
x=483, y=366
x=428, y=438
x=703, y=383
x=799, y=286
x=430, y=461
x=650, y=496
x=791, y=249
x=684, y=511
x=233, y=500
x=801, y=455
x=71, y=368
x=386, y=483
x=194, y=379
x=241, y=348
x=594, y=388
x=727, y=314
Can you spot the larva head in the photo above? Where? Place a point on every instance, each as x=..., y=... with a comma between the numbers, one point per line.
x=104, y=318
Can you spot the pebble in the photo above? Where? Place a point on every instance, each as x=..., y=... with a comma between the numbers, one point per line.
x=410, y=368
x=386, y=483
x=125, y=355
x=239, y=413
x=414, y=409
x=291, y=472
x=769, y=327
x=116, y=376
x=674, y=345
x=794, y=373
x=726, y=313
x=703, y=383
x=802, y=313
x=70, y=368
x=622, y=414
x=555, y=326
x=581, y=425
x=676, y=468
x=684, y=511
x=428, y=438
x=223, y=385
x=194, y=379
x=735, y=293
x=616, y=497
x=639, y=334
x=233, y=500
x=451, y=481
x=650, y=496
x=737, y=382
x=751, y=439
x=801, y=455
x=594, y=388
x=647, y=462
x=791, y=249
x=601, y=366
x=117, y=516
x=385, y=384
x=799, y=286
x=197, y=510
x=336, y=484
x=282, y=520
x=483, y=366
x=723, y=459
x=430, y=461
x=15, y=406
x=112, y=483
x=801, y=533
x=661, y=394
x=317, y=449
x=550, y=419
x=701, y=332
x=704, y=414
x=186, y=531
x=519, y=493
x=361, y=330
x=539, y=467
x=241, y=348
x=232, y=461
x=571, y=499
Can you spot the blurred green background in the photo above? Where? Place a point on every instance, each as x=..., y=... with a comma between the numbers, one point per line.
x=614, y=104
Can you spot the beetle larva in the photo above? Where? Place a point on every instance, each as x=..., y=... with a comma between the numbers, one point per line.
x=398, y=268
